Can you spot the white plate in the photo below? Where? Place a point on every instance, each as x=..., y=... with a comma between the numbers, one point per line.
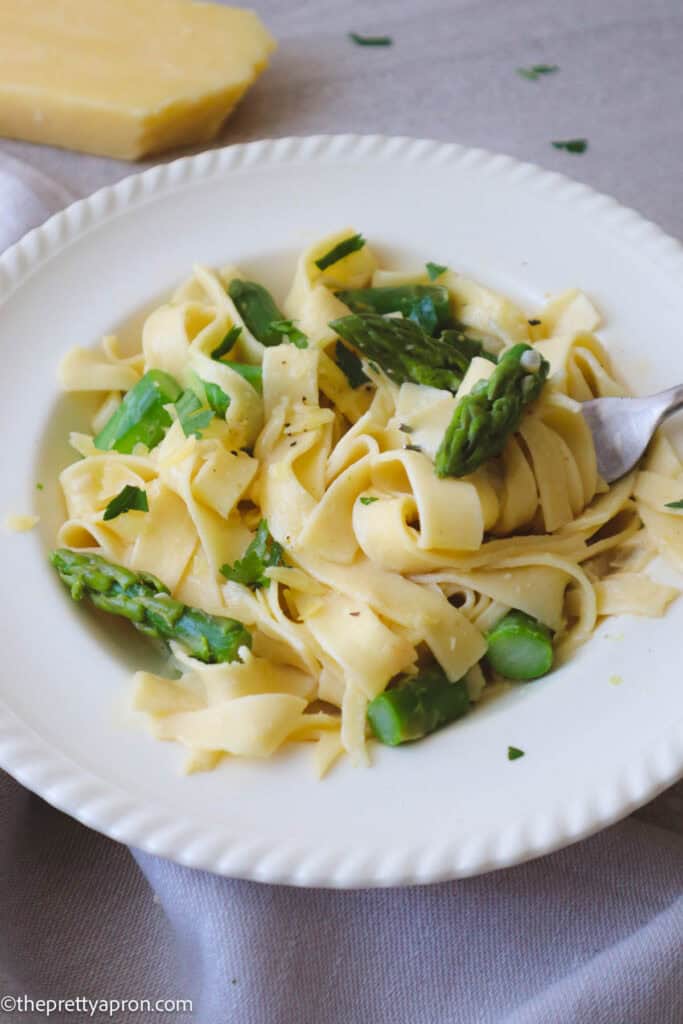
x=452, y=805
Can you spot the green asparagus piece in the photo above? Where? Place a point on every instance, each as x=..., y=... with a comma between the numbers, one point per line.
x=146, y=602
x=252, y=374
x=520, y=647
x=349, y=363
x=428, y=305
x=484, y=420
x=406, y=353
x=415, y=706
x=257, y=308
x=262, y=553
x=141, y=417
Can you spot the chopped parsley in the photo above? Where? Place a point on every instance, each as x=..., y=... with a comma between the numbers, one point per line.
x=227, y=343
x=533, y=323
x=216, y=398
x=252, y=374
x=534, y=72
x=412, y=448
x=210, y=394
x=261, y=554
x=435, y=270
x=192, y=416
x=291, y=332
x=368, y=500
x=351, y=365
x=572, y=145
x=370, y=40
x=405, y=429
x=674, y=504
x=339, y=251
x=39, y=487
x=130, y=499
x=514, y=753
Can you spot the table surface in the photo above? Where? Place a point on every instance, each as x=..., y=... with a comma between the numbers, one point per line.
x=450, y=75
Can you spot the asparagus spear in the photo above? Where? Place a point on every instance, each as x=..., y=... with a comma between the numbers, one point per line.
x=427, y=304
x=141, y=417
x=406, y=353
x=146, y=602
x=484, y=419
x=520, y=647
x=257, y=308
x=416, y=706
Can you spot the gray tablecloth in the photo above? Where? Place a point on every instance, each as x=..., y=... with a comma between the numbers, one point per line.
x=591, y=934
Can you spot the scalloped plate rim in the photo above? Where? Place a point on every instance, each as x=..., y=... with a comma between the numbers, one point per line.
x=53, y=775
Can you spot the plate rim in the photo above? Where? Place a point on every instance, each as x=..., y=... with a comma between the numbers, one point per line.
x=100, y=804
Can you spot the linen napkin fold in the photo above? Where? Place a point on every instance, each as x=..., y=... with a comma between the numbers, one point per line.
x=27, y=198
x=593, y=933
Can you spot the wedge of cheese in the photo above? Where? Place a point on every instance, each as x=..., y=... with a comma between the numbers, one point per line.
x=124, y=78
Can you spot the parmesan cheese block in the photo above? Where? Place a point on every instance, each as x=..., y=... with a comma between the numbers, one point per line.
x=124, y=78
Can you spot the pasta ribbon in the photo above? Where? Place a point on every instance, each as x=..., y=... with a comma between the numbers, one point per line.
x=384, y=568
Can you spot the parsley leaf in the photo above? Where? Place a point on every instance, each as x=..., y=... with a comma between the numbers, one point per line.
x=349, y=362
x=128, y=500
x=339, y=251
x=674, y=504
x=252, y=374
x=370, y=40
x=572, y=145
x=261, y=554
x=291, y=332
x=216, y=398
x=193, y=418
x=435, y=270
x=227, y=343
x=536, y=70
x=210, y=394
x=39, y=487
x=368, y=500
x=514, y=753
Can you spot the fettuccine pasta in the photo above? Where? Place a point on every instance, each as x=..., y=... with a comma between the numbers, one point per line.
x=379, y=566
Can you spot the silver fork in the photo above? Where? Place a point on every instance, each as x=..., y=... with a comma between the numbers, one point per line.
x=622, y=428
